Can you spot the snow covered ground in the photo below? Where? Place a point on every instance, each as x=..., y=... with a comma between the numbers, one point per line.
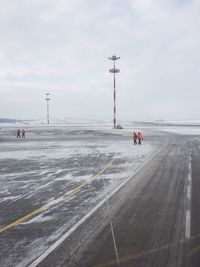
x=54, y=176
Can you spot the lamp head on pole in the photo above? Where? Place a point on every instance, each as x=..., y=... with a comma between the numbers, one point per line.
x=47, y=94
x=114, y=57
x=114, y=70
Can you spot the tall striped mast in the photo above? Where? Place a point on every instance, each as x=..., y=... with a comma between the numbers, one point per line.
x=114, y=70
x=47, y=99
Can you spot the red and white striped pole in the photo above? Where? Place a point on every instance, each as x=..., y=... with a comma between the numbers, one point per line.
x=114, y=95
x=47, y=99
x=114, y=70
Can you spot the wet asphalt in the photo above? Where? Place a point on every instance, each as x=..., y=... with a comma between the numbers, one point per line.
x=148, y=213
x=39, y=170
x=148, y=217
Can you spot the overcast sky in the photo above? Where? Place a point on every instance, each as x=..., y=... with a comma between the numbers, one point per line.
x=62, y=47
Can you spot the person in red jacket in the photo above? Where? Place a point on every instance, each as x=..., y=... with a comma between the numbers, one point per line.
x=140, y=137
x=23, y=133
x=135, y=138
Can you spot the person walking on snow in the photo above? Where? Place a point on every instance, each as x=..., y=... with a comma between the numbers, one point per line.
x=135, y=138
x=23, y=133
x=18, y=133
x=140, y=137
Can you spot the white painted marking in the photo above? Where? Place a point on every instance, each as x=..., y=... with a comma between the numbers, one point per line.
x=189, y=177
x=188, y=224
x=190, y=170
x=75, y=226
x=188, y=196
x=111, y=224
x=188, y=192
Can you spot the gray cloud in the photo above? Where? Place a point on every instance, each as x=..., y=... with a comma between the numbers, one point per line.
x=62, y=47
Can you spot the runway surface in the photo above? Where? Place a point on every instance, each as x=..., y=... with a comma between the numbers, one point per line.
x=98, y=201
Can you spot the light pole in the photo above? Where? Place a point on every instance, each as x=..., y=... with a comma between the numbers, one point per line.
x=114, y=70
x=47, y=99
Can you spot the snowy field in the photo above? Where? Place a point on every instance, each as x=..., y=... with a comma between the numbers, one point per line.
x=57, y=174
x=67, y=169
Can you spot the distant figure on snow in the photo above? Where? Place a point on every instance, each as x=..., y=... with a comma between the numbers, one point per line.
x=140, y=137
x=18, y=133
x=135, y=138
x=23, y=133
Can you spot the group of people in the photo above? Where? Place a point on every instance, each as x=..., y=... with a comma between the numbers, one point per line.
x=20, y=133
x=137, y=138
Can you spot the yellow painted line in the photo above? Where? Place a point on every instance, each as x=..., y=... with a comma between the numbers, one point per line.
x=195, y=237
x=193, y=252
x=135, y=256
x=91, y=179
x=22, y=219
x=46, y=206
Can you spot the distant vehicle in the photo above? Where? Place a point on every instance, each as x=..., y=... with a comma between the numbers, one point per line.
x=119, y=126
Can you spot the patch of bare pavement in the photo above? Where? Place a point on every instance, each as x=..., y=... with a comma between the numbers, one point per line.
x=91, y=198
x=149, y=217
